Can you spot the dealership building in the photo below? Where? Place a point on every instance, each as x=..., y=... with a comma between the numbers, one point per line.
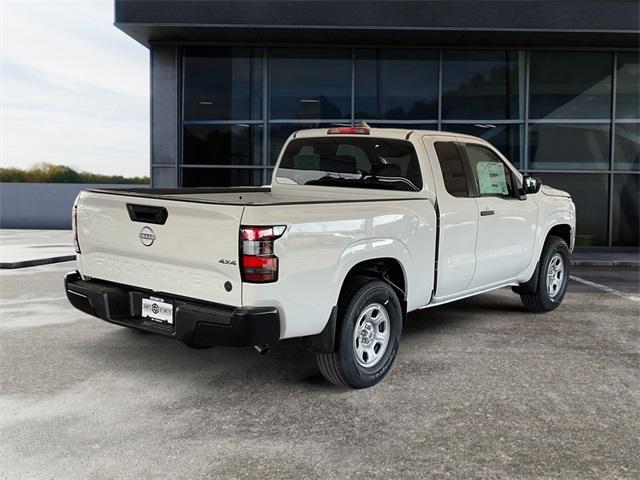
x=554, y=85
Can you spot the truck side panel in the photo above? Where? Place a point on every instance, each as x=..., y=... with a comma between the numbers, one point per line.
x=323, y=242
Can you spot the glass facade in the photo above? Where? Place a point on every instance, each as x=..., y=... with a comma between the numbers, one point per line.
x=396, y=84
x=571, y=118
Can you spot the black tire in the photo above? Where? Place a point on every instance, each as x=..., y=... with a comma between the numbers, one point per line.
x=341, y=367
x=542, y=300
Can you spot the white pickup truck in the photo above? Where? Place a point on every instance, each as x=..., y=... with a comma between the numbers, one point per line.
x=359, y=226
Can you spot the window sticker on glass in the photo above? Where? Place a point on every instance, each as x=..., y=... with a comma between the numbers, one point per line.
x=491, y=178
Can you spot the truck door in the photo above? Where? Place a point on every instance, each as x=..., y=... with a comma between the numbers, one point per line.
x=458, y=217
x=507, y=221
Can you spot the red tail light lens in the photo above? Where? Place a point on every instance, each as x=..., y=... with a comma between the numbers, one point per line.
x=259, y=264
x=74, y=228
x=349, y=131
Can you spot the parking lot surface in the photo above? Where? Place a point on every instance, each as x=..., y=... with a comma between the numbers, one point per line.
x=480, y=389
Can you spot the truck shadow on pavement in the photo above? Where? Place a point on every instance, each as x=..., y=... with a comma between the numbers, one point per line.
x=288, y=362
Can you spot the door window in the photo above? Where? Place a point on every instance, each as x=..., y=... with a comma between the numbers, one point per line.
x=452, y=166
x=492, y=176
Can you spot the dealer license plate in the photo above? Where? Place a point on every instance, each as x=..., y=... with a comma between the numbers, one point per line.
x=157, y=309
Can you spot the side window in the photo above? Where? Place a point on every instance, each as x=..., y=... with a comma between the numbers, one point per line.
x=452, y=166
x=492, y=176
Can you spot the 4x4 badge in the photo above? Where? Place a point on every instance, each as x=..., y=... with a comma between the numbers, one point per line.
x=224, y=261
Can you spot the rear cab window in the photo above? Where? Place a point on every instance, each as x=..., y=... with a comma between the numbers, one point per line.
x=353, y=162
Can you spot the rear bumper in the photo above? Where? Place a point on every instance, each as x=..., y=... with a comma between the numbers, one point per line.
x=194, y=322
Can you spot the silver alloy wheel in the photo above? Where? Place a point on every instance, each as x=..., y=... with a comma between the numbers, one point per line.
x=371, y=335
x=555, y=275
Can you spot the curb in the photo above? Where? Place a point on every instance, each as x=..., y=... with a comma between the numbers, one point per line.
x=36, y=262
x=605, y=263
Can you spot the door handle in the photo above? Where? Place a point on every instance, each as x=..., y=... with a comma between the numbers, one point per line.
x=484, y=213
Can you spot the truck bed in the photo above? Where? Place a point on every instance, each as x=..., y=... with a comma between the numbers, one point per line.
x=245, y=196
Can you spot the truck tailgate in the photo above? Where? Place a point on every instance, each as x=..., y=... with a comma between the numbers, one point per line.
x=194, y=253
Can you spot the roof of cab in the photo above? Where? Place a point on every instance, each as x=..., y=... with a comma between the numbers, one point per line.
x=399, y=133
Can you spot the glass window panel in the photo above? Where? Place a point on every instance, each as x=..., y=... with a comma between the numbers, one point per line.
x=278, y=134
x=358, y=161
x=626, y=210
x=396, y=84
x=509, y=138
x=452, y=167
x=569, y=146
x=590, y=193
x=238, y=144
x=628, y=86
x=310, y=83
x=627, y=146
x=491, y=175
x=222, y=83
x=405, y=126
x=222, y=177
x=483, y=84
x=570, y=85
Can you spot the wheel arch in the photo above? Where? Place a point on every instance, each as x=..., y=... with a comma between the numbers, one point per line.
x=562, y=230
x=387, y=269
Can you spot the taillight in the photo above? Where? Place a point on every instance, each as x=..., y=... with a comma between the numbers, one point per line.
x=74, y=227
x=258, y=263
x=349, y=131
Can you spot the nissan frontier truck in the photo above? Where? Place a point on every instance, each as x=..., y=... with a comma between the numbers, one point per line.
x=359, y=227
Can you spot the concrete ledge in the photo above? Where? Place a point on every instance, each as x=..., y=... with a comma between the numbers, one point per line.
x=36, y=262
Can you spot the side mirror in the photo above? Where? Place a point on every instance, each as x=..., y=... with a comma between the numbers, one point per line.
x=531, y=184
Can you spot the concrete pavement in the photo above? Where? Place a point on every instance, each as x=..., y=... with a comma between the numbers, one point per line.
x=28, y=248
x=480, y=389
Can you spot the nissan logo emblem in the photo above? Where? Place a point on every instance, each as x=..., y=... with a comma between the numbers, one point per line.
x=146, y=236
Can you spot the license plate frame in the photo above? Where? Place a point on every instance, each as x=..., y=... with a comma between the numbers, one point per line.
x=158, y=310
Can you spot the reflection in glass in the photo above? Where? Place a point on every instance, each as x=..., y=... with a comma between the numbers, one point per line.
x=626, y=210
x=222, y=83
x=310, y=83
x=357, y=161
x=628, y=86
x=222, y=177
x=238, y=144
x=483, y=84
x=278, y=134
x=406, y=126
x=590, y=194
x=582, y=146
x=570, y=85
x=627, y=146
x=508, y=138
x=396, y=84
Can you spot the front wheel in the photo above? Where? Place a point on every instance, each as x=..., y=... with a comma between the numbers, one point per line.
x=367, y=335
x=553, y=277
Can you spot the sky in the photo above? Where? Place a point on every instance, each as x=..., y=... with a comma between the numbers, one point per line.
x=74, y=90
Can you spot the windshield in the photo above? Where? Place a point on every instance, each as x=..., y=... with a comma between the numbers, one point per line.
x=355, y=162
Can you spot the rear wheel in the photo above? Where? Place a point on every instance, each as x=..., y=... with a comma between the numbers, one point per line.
x=552, y=277
x=367, y=335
